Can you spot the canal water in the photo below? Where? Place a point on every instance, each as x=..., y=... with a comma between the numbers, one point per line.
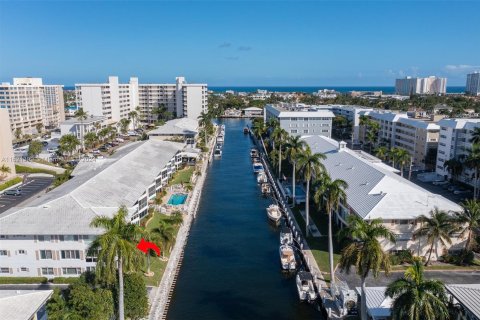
x=231, y=268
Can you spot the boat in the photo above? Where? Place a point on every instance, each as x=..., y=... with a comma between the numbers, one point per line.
x=274, y=213
x=256, y=159
x=217, y=153
x=287, y=257
x=286, y=235
x=266, y=189
x=257, y=167
x=246, y=130
x=254, y=153
x=262, y=178
x=305, y=288
x=220, y=138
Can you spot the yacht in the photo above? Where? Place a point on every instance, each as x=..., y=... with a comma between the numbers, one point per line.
x=262, y=178
x=254, y=153
x=287, y=257
x=220, y=138
x=286, y=235
x=246, y=130
x=218, y=152
x=257, y=167
x=305, y=288
x=274, y=213
x=266, y=189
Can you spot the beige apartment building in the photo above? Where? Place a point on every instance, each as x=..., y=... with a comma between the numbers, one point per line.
x=30, y=102
x=6, y=149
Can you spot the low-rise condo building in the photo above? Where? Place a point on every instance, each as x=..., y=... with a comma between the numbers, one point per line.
x=352, y=114
x=300, y=119
x=31, y=103
x=115, y=100
x=375, y=190
x=49, y=236
x=473, y=84
x=80, y=127
x=429, y=85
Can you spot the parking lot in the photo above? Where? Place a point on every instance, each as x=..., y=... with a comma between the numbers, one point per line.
x=32, y=186
x=441, y=191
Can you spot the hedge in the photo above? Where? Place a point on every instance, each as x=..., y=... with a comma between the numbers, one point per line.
x=22, y=280
x=24, y=169
x=65, y=280
x=10, y=183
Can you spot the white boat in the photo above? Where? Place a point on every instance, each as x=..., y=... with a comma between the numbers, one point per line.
x=220, y=139
x=254, y=153
x=305, y=288
x=287, y=257
x=246, y=130
x=217, y=153
x=266, y=189
x=286, y=235
x=257, y=167
x=274, y=213
x=262, y=178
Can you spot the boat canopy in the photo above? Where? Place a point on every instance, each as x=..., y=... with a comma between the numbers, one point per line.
x=305, y=276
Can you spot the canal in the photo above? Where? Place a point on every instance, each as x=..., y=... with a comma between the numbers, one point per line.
x=231, y=268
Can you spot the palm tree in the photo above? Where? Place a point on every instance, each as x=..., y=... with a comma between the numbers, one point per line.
x=415, y=297
x=150, y=236
x=124, y=123
x=439, y=227
x=116, y=250
x=90, y=140
x=295, y=145
x=133, y=116
x=364, y=252
x=279, y=135
x=5, y=170
x=259, y=128
x=475, y=139
x=166, y=234
x=39, y=127
x=272, y=123
x=81, y=115
x=393, y=155
x=333, y=191
x=68, y=143
x=310, y=165
x=18, y=133
x=454, y=166
x=381, y=152
x=469, y=220
x=403, y=158
x=473, y=161
x=204, y=121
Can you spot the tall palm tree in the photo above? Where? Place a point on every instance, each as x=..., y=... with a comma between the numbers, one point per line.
x=475, y=139
x=204, y=120
x=81, y=115
x=295, y=145
x=393, y=155
x=279, y=135
x=310, y=164
x=166, y=235
x=473, y=161
x=333, y=191
x=454, y=166
x=416, y=298
x=116, y=250
x=403, y=159
x=90, y=140
x=381, y=152
x=438, y=227
x=364, y=252
x=259, y=128
x=5, y=170
x=272, y=123
x=133, y=116
x=469, y=220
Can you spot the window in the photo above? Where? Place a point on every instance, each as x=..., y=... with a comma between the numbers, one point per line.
x=4, y=270
x=3, y=252
x=293, y=131
x=44, y=238
x=22, y=251
x=305, y=131
x=24, y=269
x=91, y=269
x=47, y=271
x=45, y=254
x=71, y=270
x=70, y=254
x=90, y=258
x=69, y=238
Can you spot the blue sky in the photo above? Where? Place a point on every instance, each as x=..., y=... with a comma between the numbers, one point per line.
x=240, y=43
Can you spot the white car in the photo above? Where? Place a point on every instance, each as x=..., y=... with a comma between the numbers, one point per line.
x=52, y=150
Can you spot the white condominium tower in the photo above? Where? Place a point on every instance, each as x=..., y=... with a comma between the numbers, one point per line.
x=473, y=84
x=114, y=100
x=30, y=102
x=429, y=85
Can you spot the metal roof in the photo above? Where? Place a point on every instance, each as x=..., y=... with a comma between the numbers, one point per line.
x=377, y=304
x=177, y=127
x=22, y=304
x=468, y=295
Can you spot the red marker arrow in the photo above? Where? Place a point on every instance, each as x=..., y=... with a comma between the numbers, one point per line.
x=144, y=246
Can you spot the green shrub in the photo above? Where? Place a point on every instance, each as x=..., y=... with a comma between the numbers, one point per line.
x=65, y=280
x=10, y=183
x=24, y=169
x=459, y=258
x=22, y=280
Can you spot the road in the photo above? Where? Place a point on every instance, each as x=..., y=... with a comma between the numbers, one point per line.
x=31, y=187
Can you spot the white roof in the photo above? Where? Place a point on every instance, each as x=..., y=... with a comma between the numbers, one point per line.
x=467, y=295
x=253, y=109
x=374, y=189
x=180, y=126
x=419, y=124
x=97, y=188
x=377, y=304
x=90, y=119
x=22, y=304
x=459, y=123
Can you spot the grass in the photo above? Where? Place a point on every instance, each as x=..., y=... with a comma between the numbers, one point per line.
x=10, y=183
x=22, y=280
x=24, y=169
x=182, y=176
x=156, y=265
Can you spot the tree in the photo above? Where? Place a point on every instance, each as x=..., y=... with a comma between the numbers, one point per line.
x=68, y=144
x=310, y=165
x=473, y=161
x=204, y=121
x=469, y=220
x=90, y=303
x=133, y=116
x=279, y=135
x=34, y=149
x=103, y=133
x=475, y=139
x=18, y=133
x=136, y=298
x=4, y=170
x=81, y=115
x=166, y=234
x=116, y=251
x=259, y=128
x=333, y=191
x=39, y=127
x=438, y=227
x=403, y=159
x=416, y=298
x=124, y=123
x=295, y=145
x=364, y=252
x=454, y=166
x=272, y=123
x=382, y=153
x=90, y=139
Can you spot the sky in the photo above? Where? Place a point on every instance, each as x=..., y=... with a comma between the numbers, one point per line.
x=240, y=43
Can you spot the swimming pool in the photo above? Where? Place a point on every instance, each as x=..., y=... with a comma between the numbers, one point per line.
x=299, y=193
x=177, y=199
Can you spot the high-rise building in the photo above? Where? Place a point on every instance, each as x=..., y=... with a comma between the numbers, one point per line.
x=114, y=100
x=30, y=102
x=6, y=149
x=473, y=84
x=429, y=85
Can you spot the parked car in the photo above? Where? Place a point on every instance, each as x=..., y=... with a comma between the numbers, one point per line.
x=45, y=143
x=13, y=192
x=96, y=151
x=120, y=140
x=440, y=183
x=460, y=191
x=132, y=133
x=52, y=150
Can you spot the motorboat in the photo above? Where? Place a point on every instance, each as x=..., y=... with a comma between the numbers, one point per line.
x=254, y=153
x=220, y=139
x=305, y=287
x=256, y=159
x=262, y=178
x=266, y=189
x=286, y=235
x=274, y=213
x=246, y=130
x=217, y=153
x=287, y=257
x=257, y=167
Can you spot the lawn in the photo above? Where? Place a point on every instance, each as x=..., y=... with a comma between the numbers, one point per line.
x=182, y=176
x=156, y=265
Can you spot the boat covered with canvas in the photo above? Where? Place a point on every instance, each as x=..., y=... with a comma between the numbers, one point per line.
x=274, y=214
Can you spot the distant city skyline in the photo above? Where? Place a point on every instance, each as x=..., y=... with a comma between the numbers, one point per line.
x=230, y=43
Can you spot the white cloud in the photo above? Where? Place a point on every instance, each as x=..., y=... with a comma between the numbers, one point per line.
x=461, y=68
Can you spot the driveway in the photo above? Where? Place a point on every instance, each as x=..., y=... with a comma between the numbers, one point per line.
x=31, y=187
